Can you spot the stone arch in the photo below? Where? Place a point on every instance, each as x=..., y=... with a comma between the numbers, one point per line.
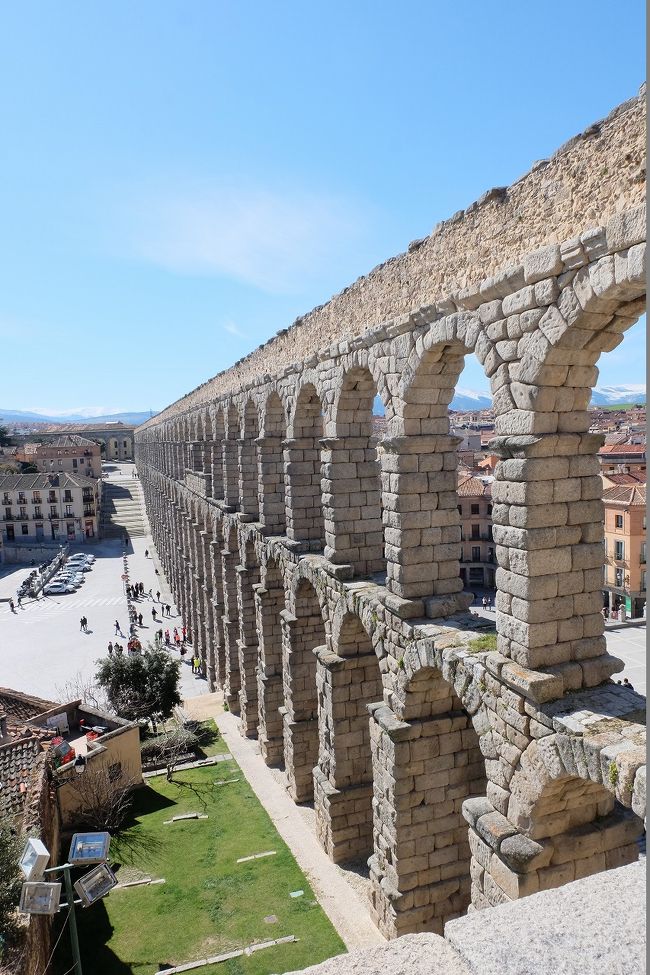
x=349, y=681
x=248, y=468
x=304, y=510
x=567, y=817
x=270, y=609
x=219, y=436
x=271, y=466
x=419, y=468
x=427, y=762
x=303, y=634
x=230, y=459
x=230, y=620
x=548, y=512
x=248, y=580
x=352, y=495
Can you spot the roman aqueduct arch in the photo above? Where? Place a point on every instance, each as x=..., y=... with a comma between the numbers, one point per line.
x=318, y=568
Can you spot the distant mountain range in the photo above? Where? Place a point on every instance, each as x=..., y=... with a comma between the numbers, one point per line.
x=13, y=417
x=468, y=399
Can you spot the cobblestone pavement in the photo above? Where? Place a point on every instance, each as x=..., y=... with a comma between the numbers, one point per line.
x=41, y=645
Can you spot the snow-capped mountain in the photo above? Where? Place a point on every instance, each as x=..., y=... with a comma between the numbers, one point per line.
x=469, y=399
x=610, y=395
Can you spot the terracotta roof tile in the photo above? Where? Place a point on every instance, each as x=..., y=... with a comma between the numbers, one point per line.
x=628, y=495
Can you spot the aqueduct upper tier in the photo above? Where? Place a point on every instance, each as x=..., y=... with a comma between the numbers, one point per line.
x=318, y=567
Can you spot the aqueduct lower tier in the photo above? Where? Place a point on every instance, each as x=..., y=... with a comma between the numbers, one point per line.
x=318, y=571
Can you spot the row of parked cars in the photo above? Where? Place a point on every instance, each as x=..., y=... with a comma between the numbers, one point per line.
x=71, y=576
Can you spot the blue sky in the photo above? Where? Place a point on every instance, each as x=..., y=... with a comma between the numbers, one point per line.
x=180, y=180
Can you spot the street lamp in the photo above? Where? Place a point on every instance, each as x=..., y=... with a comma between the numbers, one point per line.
x=40, y=897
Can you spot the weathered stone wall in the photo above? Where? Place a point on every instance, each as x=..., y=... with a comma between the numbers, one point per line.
x=318, y=573
x=594, y=176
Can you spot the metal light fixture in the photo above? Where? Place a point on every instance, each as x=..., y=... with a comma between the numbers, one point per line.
x=88, y=848
x=39, y=898
x=95, y=884
x=35, y=857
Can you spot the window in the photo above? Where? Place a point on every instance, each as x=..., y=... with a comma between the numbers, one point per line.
x=5, y=498
x=74, y=462
x=53, y=511
x=642, y=558
x=68, y=511
x=619, y=550
x=618, y=521
x=460, y=510
x=8, y=514
x=476, y=531
x=37, y=512
x=475, y=509
x=24, y=529
x=476, y=553
x=489, y=509
x=23, y=511
x=643, y=582
x=618, y=578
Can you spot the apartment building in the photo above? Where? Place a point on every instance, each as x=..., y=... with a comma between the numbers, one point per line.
x=44, y=507
x=70, y=454
x=625, y=549
x=478, y=560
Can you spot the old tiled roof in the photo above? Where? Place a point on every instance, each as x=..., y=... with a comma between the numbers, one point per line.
x=628, y=495
x=17, y=762
x=43, y=482
x=625, y=448
x=473, y=487
x=22, y=707
x=69, y=440
x=617, y=480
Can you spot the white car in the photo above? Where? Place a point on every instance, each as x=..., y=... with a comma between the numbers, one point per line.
x=56, y=588
x=72, y=579
x=78, y=565
x=86, y=556
x=79, y=560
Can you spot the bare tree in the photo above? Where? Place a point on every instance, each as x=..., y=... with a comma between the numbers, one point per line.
x=85, y=689
x=102, y=797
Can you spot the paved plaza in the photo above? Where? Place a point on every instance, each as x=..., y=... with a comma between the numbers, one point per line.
x=41, y=645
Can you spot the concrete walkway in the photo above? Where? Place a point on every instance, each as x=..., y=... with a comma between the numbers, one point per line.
x=346, y=910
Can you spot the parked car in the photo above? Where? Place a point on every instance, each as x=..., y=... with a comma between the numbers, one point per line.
x=56, y=588
x=72, y=579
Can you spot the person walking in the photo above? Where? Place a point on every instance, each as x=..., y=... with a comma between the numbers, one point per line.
x=154, y=615
x=140, y=619
x=169, y=609
x=150, y=593
x=146, y=553
x=158, y=597
x=167, y=640
x=118, y=629
x=11, y=606
x=110, y=649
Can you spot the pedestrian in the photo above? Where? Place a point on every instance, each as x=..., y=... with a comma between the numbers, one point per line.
x=604, y=611
x=184, y=634
x=81, y=623
x=110, y=649
x=157, y=597
x=150, y=593
x=11, y=606
x=167, y=641
x=484, y=601
x=197, y=665
x=141, y=588
x=159, y=635
x=146, y=553
x=154, y=614
x=169, y=609
x=20, y=601
x=140, y=618
x=117, y=628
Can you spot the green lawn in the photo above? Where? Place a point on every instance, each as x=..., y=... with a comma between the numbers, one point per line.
x=208, y=904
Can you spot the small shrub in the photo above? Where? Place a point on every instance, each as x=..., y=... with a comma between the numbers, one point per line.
x=486, y=642
x=162, y=747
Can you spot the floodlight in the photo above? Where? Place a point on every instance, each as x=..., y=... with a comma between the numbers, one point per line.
x=34, y=859
x=39, y=898
x=87, y=848
x=95, y=884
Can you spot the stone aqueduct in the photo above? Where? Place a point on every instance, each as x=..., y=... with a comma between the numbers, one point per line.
x=318, y=569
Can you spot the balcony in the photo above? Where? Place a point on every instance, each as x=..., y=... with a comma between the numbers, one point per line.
x=89, y=512
x=9, y=518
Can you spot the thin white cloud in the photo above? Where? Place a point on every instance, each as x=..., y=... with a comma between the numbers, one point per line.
x=233, y=329
x=275, y=241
